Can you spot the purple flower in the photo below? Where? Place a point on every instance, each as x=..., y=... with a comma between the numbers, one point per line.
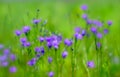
x=42, y=50
x=26, y=29
x=6, y=52
x=77, y=29
x=50, y=59
x=36, y=21
x=51, y=74
x=37, y=49
x=55, y=44
x=68, y=42
x=59, y=38
x=38, y=55
x=12, y=57
x=99, y=35
x=13, y=69
x=23, y=40
x=18, y=32
x=79, y=36
x=49, y=44
x=109, y=23
x=84, y=16
x=1, y=46
x=4, y=63
x=3, y=58
x=64, y=54
x=32, y=62
x=83, y=32
x=41, y=39
x=97, y=23
x=48, y=39
x=90, y=64
x=26, y=44
x=105, y=31
x=98, y=44
x=93, y=29
x=84, y=7
x=89, y=21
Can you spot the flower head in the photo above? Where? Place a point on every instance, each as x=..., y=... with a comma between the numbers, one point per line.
x=32, y=62
x=41, y=39
x=93, y=29
x=99, y=35
x=50, y=59
x=51, y=74
x=18, y=32
x=36, y=21
x=13, y=69
x=98, y=44
x=109, y=23
x=105, y=31
x=68, y=42
x=12, y=57
x=84, y=7
x=23, y=40
x=1, y=46
x=77, y=29
x=64, y=54
x=26, y=29
x=83, y=32
x=84, y=16
x=90, y=64
x=97, y=23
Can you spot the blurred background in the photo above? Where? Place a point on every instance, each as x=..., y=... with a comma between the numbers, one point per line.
x=62, y=16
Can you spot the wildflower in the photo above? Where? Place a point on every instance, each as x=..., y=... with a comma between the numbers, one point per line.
x=79, y=36
x=77, y=29
x=89, y=21
x=37, y=49
x=26, y=44
x=84, y=16
x=55, y=44
x=93, y=29
x=32, y=62
x=90, y=64
x=26, y=29
x=6, y=51
x=64, y=54
x=12, y=57
x=3, y=58
x=42, y=50
x=50, y=59
x=49, y=44
x=1, y=46
x=98, y=44
x=51, y=74
x=84, y=7
x=13, y=69
x=41, y=39
x=97, y=23
x=48, y=39
x=23, y=40
x=105, y=31
x=68, y=42
x=83, y=32
x=36, y=21
x=99, y=35
x=4, y=63
x=18, y=32
x=109, y=23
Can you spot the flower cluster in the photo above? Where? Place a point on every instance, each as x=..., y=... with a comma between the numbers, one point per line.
x=7, y=58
